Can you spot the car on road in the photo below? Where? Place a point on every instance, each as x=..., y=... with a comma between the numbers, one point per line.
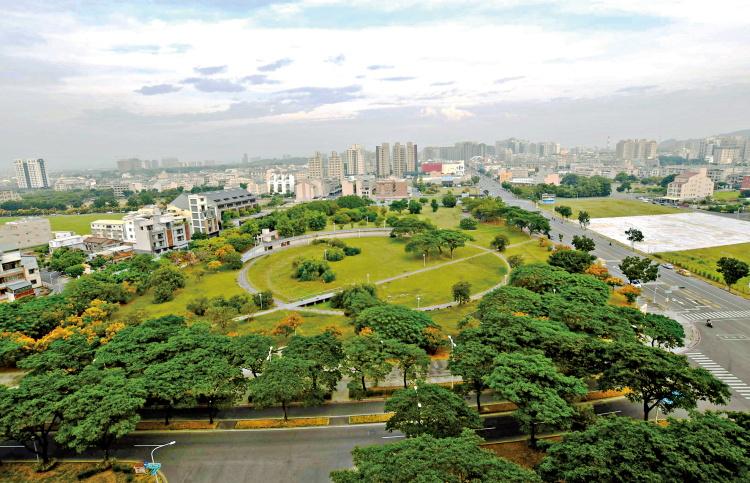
x=636, y=283
x=683, y=272
x=668, y=266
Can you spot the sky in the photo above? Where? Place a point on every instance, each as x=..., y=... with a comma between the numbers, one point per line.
x=85, y=83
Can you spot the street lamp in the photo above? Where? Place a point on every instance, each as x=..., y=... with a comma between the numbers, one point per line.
x=418, y=299
x=424, y=259
x=368, y=278
x=154, y=466
x=260, y=297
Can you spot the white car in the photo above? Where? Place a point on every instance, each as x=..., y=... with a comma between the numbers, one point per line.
x=668, y=266
x=636, y=283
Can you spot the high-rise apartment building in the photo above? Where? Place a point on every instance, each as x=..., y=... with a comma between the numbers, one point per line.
x=411, y=157
x=398, y=163
x=639, y=149
x=315, y=166
x=383, y=160
x=354, y=160
x=335, y=166
x=31, y=173
x=727, y=154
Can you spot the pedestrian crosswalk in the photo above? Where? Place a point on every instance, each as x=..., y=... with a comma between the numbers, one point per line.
x=734, y=383
x=724, y=314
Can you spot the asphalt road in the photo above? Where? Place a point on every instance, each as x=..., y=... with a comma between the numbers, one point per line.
x=724, y=349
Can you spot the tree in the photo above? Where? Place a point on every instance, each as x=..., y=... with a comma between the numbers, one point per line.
x=583, y=243
x=732, y=270
x=533, y=383
x=365, y=358
x=409, y=226
x=572, y=261
x=430, y=409
x=323, y=354
x=449, y=200
x=399, y=205
x=70, y=354
x=704, y=448
x=413, y=361
x=428, y=459
x=584, y=219
x=415, y=207
x=500, y=242
x=166, y=280
x=221, y=315
x=635, y=268
x=515, y=261
x=473, y=360
x=434, y=205
x=284, y=379
x=461, y=292
x=29, y=412
x=634, y=236
x=103, y=408
x=661, y=331
x=660, y=378
x=453, y=239
x=565, y=211
x=250, y=351
x=425, y=242
x=396, y=322
x=288, y=325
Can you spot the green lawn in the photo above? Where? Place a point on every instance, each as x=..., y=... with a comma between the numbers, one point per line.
x=434, y=287
x=81, y=224
x=531, y=252
x=381, y=258
x=611, y=207
x=449, y=318
x=702, y=261
x=211, y=285
x=726, y=195
x=483, y=235
x=313, y=324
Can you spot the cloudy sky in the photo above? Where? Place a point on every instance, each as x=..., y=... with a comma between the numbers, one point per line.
x=84, y=83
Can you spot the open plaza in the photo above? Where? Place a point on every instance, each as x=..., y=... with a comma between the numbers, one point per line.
x=675, y=232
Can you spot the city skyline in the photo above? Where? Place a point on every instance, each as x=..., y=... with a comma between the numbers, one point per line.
x=93, y=82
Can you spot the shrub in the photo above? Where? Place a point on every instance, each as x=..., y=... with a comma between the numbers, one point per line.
x=328, y=276
x=468, y=224
x=515, y=261
x=335, y=254
x=352, y=251
x=308, y=269
x=335, y=242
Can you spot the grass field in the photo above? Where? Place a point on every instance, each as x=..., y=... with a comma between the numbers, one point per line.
x=611, y=207
x=702, y=261
x=314, y=323
x=211, y=285
x=530, y=251
x=726, y=195
x=483, y=235
x=434, y=287
x=449, y=318
x=381, y=258
x=81, y=224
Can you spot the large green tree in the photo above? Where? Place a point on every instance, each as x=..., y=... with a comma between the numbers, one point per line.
x=732, y=270
x=453, y=239
x=705, y=448
x=541, y=392
x=430, y=409
x=284, y=380
x=71, y=354
x=636, y=268
x=365, y=357
x=427, y=459
x=396, y=322
x=634, y=236
x=413, y=361
x=473, y=359
x=323, y=354
x=572, y=261
x=30, y=412
x=250, y=351
x=103, y=408
x=660, y=378
x=583, y=243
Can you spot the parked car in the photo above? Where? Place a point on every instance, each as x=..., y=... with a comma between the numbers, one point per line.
x=636, y=283
x=667, y=266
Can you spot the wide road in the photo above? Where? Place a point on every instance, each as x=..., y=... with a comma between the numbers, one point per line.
x=724, y=349
x=270, y=456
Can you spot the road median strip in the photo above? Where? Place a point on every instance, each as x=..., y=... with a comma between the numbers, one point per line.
x=280, y=423
x=370, y=418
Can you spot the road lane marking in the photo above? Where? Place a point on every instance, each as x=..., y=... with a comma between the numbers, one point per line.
x=732, y=381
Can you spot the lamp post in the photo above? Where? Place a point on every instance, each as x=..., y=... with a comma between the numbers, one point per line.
x=260, y=297
x=368, y=278
x=155, y=446
x=453, y=346
x=424, y=259
x=418, y=299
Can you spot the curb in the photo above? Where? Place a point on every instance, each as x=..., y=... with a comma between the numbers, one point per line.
x=162, y=477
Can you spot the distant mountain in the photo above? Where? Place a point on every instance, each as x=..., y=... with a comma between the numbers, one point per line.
x=669, y=144
x=744, y=132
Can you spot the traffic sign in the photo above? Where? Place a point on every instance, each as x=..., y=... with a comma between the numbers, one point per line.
x=153, y=467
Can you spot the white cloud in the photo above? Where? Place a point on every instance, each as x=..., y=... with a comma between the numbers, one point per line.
x=451, y=113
